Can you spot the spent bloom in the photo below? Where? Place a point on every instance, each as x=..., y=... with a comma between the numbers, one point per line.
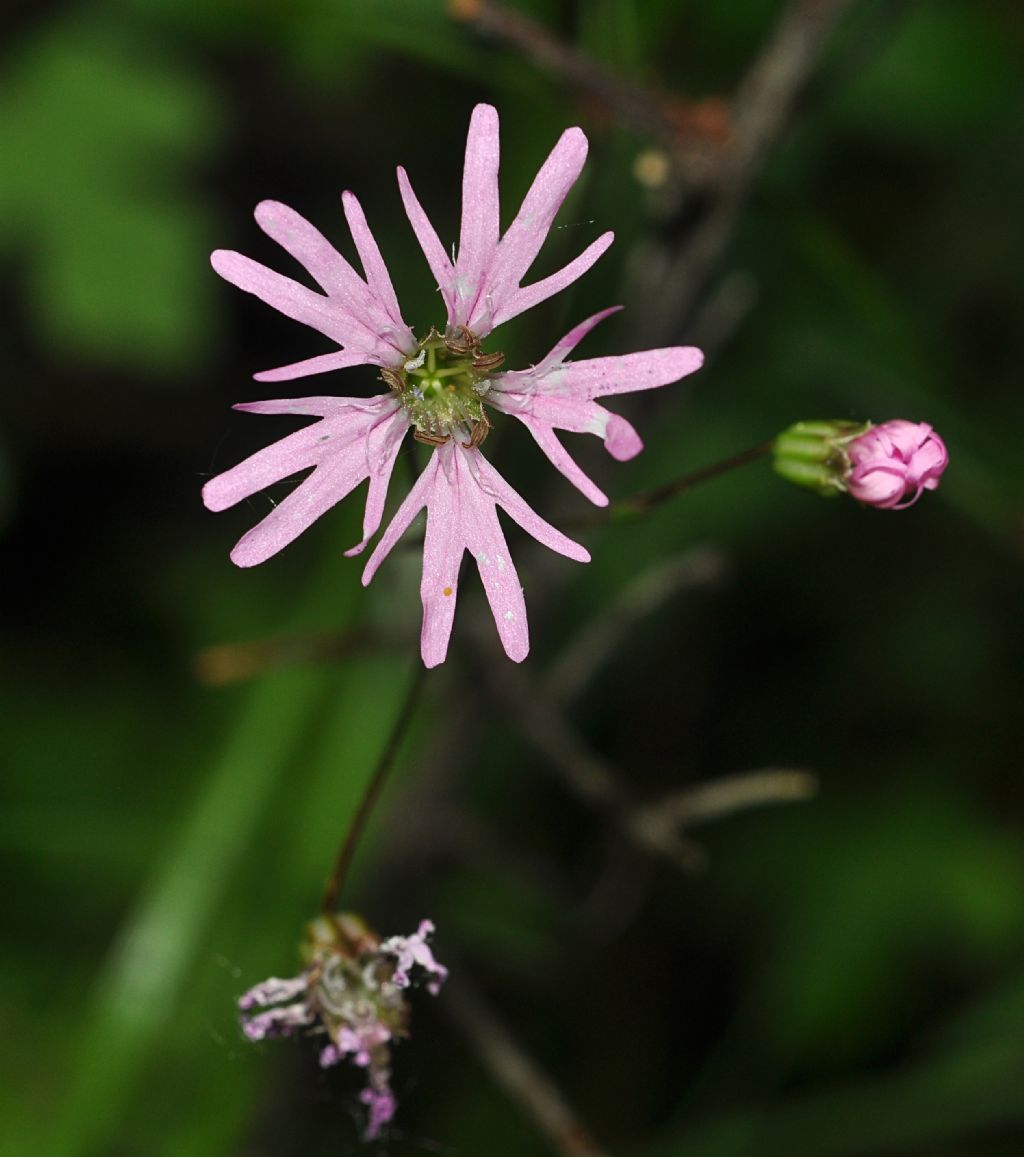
x=888, y=466
x=353, y=997
x=441, y=386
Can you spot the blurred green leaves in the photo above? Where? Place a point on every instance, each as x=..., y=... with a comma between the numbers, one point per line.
x=100, y=137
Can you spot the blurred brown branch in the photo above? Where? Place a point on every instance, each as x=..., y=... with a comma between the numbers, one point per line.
x=226, y=663
x=695, y=131
x=517, y=1073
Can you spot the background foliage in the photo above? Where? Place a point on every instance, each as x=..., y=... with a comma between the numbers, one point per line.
x=847, y=976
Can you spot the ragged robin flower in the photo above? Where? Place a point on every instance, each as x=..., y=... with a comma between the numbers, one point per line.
x=352, y=997
x=441, y=386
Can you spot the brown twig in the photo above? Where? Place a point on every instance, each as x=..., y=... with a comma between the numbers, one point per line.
x=590, y=778
x=761, y=111
x=517, y=1073
x=593, y=646
x=648, y=499
x=227, y=663
x=373, y=790
x=718, y=798
x=695, y=131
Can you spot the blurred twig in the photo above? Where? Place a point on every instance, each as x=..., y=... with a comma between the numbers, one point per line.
x=591, y=778
x=226, y=663
x=594, y=645
x=648, y=499
x=517, y=1073
x=761, y=110
x=721, y=797
x=695, y=131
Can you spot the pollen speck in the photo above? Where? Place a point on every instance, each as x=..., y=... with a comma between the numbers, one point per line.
x=447, y=592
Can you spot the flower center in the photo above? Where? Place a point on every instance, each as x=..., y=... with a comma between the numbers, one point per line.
x=443, y=387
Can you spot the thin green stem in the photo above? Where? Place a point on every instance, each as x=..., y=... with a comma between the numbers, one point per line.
x=376, y=782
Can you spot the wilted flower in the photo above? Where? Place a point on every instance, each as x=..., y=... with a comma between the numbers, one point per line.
x=439, y=386
x=888, y=466
x=353, y=992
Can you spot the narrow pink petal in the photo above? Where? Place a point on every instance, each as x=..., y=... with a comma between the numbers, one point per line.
x=283, y=294
x=286, y=457
x=323, y=364
x=346, y=421
x=492, y=483
x=414, y=502
x=329, y=483
x=528, y=231
x=369, y=320
x=438, y=260
x=483, y=537
x=561, y=350
x=523, y=299
x=443, y=547
x=377, y=276
x=562, y=461
x=382, y=447
x=324, y=407
x=478, y=237
x=314, y=252
x=599, y=377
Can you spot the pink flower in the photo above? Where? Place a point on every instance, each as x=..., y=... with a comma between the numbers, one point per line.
x=439, y=386
x=891, y=465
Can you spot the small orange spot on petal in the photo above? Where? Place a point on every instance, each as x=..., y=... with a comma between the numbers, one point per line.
x=447, y=592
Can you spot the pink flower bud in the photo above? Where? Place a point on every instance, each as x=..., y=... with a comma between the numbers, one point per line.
x=891, y=464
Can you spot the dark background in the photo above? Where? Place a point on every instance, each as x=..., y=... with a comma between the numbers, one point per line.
x=846, y=974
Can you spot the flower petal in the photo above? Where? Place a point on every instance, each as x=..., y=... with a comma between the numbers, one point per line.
x=524, y=299
x=377, y=276
x=413, y=503
x=284, y=294
x=562, y=348
x=523, y=240
x=334, y=479
x=560, y=458
x=492, y=483
x=478, y=236
x=486, y=542
x=438, y=260
x=340, y=360
x=382, y=447
x=599, y=377
x=443, y=547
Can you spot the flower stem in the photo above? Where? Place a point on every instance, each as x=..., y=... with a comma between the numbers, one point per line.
x=649, y=499
x=373, y=789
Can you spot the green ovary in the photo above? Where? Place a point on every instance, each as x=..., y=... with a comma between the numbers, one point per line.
x=445, y=392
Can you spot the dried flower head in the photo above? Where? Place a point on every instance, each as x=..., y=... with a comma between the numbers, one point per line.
x=353, y=996
x=441, y=386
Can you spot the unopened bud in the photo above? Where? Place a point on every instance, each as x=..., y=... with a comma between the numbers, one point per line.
x=814, y=454
x=893, y=464
x=888, y=466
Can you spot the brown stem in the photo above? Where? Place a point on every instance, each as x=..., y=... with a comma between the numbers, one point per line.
x=696, y=129
x=648, y=499
x=373, y=790
x=519, y=1074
